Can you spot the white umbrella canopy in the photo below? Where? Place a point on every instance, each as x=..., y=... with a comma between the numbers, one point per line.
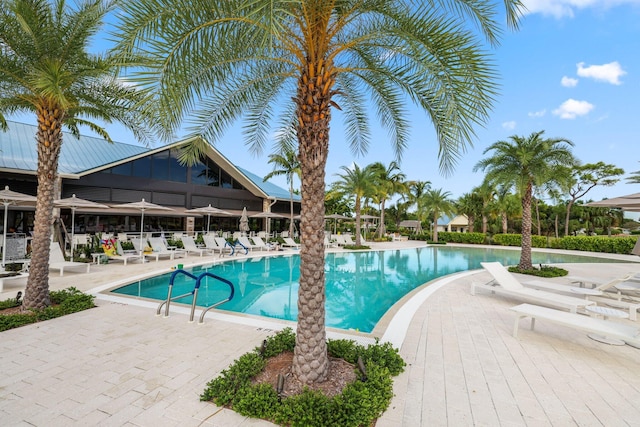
x=75, y=203
x=268, y=216
x=335, y=218
x=209, y=210
x=625, y=202
x=143, y=206
x=9, y=197
x=244, y=221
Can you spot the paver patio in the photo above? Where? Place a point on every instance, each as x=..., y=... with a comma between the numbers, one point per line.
x=120, y=365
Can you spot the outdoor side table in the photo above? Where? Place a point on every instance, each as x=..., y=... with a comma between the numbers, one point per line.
x=607, y=312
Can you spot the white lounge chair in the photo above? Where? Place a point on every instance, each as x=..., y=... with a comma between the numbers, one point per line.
x=339, y=239
x=627, y=333
x=224, y=245
x=244, y=241
x=328, y=244
x=260, y=244
x=596, y=294
x=160, y=250
x=123, y=256
x=507, y=284
x=57, y=261
x=191, y=247
x=290, y=243
x=349, y=240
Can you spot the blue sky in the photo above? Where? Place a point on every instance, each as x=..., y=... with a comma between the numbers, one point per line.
x=572, y=70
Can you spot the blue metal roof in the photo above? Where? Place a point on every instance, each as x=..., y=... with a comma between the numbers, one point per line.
x=269, y=188
x=18, y=150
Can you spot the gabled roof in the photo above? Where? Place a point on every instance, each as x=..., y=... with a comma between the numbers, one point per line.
x=86, y=155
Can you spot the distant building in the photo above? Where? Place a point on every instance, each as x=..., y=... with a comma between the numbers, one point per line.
x=456, y=224
x=412, y=224
x=117, y=173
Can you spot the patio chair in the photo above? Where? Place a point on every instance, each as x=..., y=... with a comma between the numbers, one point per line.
x=191, y=247
x=259, y=243
x=57, y=261
x=123, y=256
x=244, y=241
x=290, y=243
x=349, y=240
x=339, y=239
x=224, y=245
x=161, y=250
x=328, y=243
x=505, y=283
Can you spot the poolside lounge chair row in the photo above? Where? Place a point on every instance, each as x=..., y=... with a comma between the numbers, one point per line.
x=605, y=330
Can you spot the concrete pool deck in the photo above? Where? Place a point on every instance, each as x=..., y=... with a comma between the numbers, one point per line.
x=119, y=364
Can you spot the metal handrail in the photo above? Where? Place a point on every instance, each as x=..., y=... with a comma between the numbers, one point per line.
x=170, y=298
x=231, y=294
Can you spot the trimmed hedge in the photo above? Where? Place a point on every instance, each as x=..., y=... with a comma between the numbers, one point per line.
x=451, y=237
x=516, y=240
x=612, y=245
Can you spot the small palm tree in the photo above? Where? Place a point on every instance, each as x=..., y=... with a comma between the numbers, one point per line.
x=286, y=164
x=522, y=163
x=388, y=182
x=359, y=183
x=438, y=202
x=470, y=204
x=45, y=69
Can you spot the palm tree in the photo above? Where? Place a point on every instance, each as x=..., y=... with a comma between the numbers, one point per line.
x=359, y=183
x=438, y=203
x=507, y=205
x=45, y=69
x=388, y=182
x=302, y=61
x=288, y=165
x=524, y=162
x=469, y=204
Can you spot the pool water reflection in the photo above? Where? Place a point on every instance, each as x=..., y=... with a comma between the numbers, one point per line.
x=360, y=286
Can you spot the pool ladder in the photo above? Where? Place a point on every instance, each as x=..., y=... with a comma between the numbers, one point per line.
x=166, y=303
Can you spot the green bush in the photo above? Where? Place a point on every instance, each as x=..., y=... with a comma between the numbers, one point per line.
x=472, y=238
x=516, y=240
x=615, y=245
x=543, y=271
x=356, y=247
x=360, y=403
x=66, y=301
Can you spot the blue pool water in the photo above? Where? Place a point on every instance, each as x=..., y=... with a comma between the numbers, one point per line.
x=360, y=286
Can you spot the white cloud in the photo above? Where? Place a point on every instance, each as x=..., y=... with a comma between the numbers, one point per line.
x=511, y=125
x=568, y=81
x=609, y=73
x=567, y=8
x=570, y=109
x=537, y=114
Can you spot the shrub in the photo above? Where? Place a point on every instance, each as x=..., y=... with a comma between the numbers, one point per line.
x=516, y=240
x=356, y=247
x=543, y=271
x=360, y=403
x=472, y=238
x=65, y=301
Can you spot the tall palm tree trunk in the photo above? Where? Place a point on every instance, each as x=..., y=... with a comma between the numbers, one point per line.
x=290, y=207
x=567, y=218
x=382, y=229
x=49, y=142
x=505, y=223
x=358, y=208
x=435, y=226
x=311, y=361
x=471, y=219
x=525, y=254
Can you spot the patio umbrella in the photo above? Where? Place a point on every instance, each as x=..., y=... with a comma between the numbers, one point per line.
x=624, y=202
x=244, y=221
x=209, y=210
x=268, y=216
x=143, y=206
x=335, y=218
x=9, y=197
x=74, y=203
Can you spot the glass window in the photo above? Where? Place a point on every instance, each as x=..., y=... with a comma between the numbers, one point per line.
x=225, y=179
x=123, y=169
x=177, y=172
x=199, y=173
x=213, y=172
x=160, y=165
x=237, y=185
x=142, y=167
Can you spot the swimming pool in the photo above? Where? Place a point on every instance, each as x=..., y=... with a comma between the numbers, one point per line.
x=360, y=286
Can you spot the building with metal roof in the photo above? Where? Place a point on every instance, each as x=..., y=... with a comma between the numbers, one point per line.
x=114, y=173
